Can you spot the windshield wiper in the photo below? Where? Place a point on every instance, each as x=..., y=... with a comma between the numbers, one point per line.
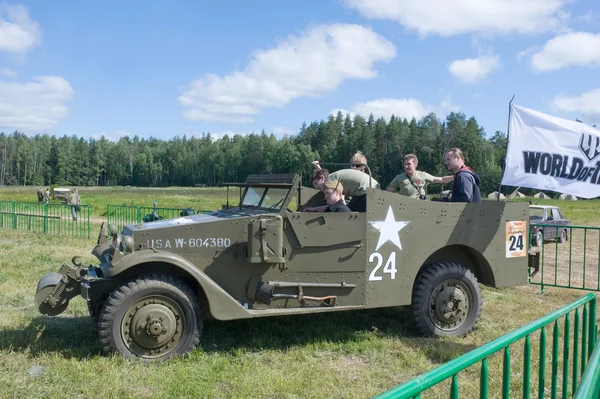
x=275, y=205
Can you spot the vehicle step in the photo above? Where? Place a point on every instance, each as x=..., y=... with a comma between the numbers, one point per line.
x=288, y=311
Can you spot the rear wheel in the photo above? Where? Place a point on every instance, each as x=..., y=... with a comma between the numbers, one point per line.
x=446, y=300
x=564, y=236
x=152, y=318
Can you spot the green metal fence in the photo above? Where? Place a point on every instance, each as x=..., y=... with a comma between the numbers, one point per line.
x=569, y=257
x=589, y=388
x=57, y=219
x=122, y=215
x=563, y=369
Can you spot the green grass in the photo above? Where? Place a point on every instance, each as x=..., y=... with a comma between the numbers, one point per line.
x=341, y=355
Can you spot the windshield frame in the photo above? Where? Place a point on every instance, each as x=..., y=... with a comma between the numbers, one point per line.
x=263, y=190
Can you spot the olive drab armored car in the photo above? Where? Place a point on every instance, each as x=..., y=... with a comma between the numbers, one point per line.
x=156, y=282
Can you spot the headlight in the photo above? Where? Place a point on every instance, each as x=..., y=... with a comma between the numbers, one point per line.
x=112, y=230
x=128, y=243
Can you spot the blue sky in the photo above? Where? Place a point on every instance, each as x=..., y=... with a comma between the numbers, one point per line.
x=169, y=68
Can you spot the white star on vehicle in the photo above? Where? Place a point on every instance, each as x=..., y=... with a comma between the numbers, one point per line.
x=389, y=230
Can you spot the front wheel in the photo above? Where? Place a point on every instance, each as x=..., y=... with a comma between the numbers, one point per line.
x=446, y=300
x=152, y=318
x=539, y=238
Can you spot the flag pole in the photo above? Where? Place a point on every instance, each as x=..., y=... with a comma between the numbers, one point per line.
x=506, y=149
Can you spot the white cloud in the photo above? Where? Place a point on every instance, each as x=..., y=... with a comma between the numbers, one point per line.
x=587, y=103
x=280, y=131
x=400, y=107
x=8, y=73
x=113, y=136
x=568, y=50
x=474, y=70
x=308, y=65
x=34, y=106
x=18, y=33
x=456, y=17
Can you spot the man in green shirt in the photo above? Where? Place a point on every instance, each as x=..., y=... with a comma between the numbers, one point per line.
x=412, y=183
x=354, y=182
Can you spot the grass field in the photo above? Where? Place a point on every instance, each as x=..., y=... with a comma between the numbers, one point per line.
x=340, y=355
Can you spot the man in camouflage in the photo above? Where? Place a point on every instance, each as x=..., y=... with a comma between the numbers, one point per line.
x=412, y=183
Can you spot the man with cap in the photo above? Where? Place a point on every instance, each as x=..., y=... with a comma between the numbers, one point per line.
x=333, y=195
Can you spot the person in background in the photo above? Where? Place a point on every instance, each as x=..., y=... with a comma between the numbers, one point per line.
x=466, y=183
x=74, y=201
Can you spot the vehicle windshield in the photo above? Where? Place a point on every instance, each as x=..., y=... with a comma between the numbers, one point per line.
x=265, y=197
x=536, y=213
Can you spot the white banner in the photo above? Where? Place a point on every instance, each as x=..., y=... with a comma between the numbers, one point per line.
x=550, y=153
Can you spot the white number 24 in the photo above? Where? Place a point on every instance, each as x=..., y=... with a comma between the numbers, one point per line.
x=390, y=266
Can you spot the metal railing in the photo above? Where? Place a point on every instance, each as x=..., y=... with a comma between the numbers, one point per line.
x=575, y=353
x=569, y=257
x=124, y=215
x=58, y=219
x=590, y=382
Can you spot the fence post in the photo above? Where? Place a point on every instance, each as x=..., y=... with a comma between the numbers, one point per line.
x=14, y=214
x=88, y=221
x=45, y=218
x=592, y=334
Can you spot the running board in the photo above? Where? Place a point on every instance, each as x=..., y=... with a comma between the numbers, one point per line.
x=293, y=311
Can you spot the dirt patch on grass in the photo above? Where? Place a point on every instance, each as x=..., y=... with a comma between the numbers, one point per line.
x=573, y=263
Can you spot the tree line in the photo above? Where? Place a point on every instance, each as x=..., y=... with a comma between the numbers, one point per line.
x=45, y=160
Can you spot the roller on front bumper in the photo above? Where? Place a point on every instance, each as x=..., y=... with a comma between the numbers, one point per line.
x=55, y=290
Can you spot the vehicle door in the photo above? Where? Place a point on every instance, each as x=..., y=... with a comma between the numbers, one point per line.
x=550, y=230
x=557, y=220
x=327, y=248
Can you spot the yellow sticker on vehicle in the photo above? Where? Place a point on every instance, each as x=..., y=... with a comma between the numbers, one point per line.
x=516, y=233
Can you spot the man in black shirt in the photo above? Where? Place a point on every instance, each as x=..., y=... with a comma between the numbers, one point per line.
x=465, y=187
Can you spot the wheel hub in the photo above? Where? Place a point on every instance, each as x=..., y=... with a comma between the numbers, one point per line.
x=448, y=305
x=152, y=326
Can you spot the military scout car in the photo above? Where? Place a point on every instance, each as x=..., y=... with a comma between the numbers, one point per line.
x=156, y=282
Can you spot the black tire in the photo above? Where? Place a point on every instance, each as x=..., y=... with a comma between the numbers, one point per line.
x=447, y=284
x=152, y=318
x=539, y=238
x=564, y=236
x=94, y=309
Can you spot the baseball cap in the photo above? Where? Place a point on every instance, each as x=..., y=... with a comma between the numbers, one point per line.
x=334, y=185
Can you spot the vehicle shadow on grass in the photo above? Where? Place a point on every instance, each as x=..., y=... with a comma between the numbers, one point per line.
x=71, y=337
x=285, y=332
x=76, y=337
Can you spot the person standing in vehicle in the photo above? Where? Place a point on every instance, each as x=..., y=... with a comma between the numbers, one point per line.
x=358, y=162
x=466, y=183
x=412, y=183
x=74, y=202
x=354, y=183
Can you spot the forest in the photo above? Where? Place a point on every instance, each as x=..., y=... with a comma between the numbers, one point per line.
x=45, y=160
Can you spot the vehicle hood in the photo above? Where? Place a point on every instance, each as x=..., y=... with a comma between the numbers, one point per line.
x=191, y=220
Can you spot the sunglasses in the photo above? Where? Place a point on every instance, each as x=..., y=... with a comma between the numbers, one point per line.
x=357, y=166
